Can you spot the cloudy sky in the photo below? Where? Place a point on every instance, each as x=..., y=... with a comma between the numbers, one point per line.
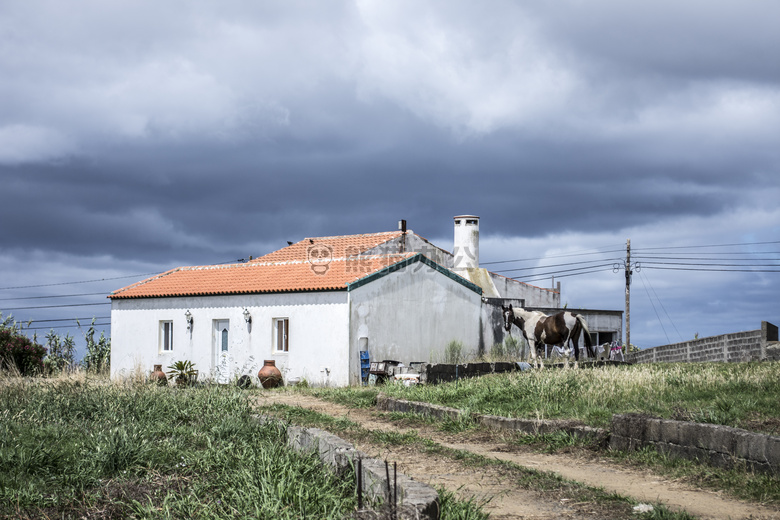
x=137, y=136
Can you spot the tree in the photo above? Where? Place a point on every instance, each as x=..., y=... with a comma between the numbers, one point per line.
x=97, y=360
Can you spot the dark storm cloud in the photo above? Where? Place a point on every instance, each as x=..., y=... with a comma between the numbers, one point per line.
x=139, y=136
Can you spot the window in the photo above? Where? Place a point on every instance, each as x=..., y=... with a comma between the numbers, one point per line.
x=166, y=336
x=281, y=334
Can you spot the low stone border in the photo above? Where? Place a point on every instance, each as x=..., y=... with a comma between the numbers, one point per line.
x=532, y=426
x=415, y=499
x=721, y=446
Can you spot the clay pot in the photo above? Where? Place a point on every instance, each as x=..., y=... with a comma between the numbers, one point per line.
x=158, y=376
x=269, y=375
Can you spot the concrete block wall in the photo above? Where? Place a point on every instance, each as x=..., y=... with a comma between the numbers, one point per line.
x=740, y=346
x=415, y=500
x=721, y=446
x=443, y=372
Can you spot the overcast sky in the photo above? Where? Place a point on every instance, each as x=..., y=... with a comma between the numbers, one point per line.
x=137, y=136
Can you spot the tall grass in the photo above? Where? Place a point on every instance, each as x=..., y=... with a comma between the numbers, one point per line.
x=722, y=393
x=75, y=448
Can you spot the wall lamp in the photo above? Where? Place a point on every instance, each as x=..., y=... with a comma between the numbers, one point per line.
x=188, y=317
x=247, y=316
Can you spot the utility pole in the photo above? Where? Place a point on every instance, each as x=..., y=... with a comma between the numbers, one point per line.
x=628, y=294
x=629, y=268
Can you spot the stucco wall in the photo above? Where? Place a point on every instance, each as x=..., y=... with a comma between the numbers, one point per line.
x=533, y=296
x=318, y=334
x=411, y=315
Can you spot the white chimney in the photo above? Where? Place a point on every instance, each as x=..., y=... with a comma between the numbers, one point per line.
x=466, y=244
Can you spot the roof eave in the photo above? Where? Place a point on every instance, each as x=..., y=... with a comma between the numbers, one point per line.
x=419, y=257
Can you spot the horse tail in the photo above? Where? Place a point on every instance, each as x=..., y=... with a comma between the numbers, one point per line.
x=586, y=334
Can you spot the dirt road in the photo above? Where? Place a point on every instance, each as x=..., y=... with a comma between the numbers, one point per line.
x=504, y=497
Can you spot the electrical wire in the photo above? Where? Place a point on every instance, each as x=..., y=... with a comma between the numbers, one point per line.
x=73, y=319
x=583, y=252
x=706, y=245
x=555, y=265
x=53, y=296
x=57, y=306
x=644, y=278
x=60, y=327
x=80, y=281
x=656, y=311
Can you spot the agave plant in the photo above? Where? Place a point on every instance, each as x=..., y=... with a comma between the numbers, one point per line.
x=183, y=372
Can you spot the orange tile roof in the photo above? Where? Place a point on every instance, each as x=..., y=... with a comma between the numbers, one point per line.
x=341, y=246
x=316, y=264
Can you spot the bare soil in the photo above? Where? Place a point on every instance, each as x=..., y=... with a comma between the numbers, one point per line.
x=498, y=486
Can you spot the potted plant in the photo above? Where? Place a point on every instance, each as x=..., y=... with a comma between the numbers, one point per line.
x=183, y=372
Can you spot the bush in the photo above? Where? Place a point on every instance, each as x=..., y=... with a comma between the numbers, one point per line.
x=61, y=352
x=20, y=353
x=98, y=356
x=453, y=354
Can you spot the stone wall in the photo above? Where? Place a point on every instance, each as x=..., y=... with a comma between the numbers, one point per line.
x=721, y=446
x=740, y=346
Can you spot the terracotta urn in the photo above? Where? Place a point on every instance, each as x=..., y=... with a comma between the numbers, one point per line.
x=158, y=376
x=269, y=375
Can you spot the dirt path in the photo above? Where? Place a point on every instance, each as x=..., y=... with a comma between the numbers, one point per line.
x=507, y=500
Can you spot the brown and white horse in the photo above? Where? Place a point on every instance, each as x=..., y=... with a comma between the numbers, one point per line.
x=540, y=329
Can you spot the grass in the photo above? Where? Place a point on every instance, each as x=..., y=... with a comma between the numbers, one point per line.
x=732, y=394
x=745, y=395
x=611, y=505
x=70, y=449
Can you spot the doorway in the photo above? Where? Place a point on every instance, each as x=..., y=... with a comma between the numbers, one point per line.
x=221, y=350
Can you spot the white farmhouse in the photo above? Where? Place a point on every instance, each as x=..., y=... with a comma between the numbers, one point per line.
x=313, y=306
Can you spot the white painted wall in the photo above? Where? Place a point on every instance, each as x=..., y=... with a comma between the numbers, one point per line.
x=533, y=296
x=411, y=315
x=318, y=334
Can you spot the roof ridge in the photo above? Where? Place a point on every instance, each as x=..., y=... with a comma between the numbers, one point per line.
x=353, y=235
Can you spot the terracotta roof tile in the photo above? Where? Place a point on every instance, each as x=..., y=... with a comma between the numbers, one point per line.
x=325, y=263
x=341, y=246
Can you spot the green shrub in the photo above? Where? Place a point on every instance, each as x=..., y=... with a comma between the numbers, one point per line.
x=497, y=351
x=454, y=352
x=17, y=351
x=97, y=359
x=61, y=354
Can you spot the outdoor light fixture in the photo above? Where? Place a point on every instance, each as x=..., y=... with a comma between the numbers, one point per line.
x=188, y=316
x=247, y=316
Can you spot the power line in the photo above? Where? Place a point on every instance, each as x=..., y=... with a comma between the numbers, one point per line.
x=656, y=255
x=80, y=281
x=713, y=270
x=709, y=245
x=53, y=296
x=549, y=265
x=646, y=263
x=73, y=319
x=655, y=310
x=576, y=253
x=57, y=306
x=545, y=276
x=60, y=327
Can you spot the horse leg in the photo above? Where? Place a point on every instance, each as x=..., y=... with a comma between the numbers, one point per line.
x=566, y=353
x=532, y=348
x=576, y=352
